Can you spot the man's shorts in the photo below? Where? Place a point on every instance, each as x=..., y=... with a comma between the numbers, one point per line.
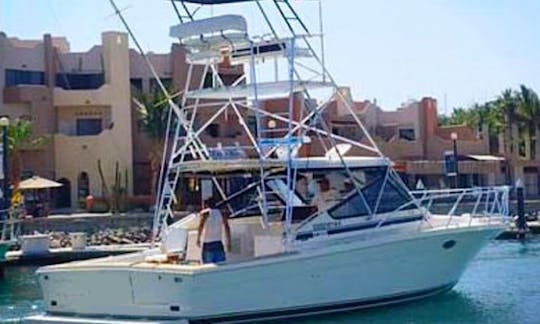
x=213, y=252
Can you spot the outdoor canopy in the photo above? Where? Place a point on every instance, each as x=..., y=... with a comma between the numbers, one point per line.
x=38, y=183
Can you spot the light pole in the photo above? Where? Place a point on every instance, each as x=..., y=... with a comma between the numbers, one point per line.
x=4, y=124
x=454, y=137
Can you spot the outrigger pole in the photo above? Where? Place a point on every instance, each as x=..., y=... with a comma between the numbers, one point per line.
x=183, y=122
x=193, y=143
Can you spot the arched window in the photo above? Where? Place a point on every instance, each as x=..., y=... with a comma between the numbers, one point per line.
x=63, y=194
x=83, y=185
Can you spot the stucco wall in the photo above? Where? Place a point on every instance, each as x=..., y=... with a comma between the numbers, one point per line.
x=436, y=147
x=76, y=154
x=24, y=58
x=76, y=62
x=34, y=102
x=67, y=117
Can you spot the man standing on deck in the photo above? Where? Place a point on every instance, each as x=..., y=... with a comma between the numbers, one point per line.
x=210, y=228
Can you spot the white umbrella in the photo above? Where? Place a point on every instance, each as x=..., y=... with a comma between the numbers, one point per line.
x=38, y=183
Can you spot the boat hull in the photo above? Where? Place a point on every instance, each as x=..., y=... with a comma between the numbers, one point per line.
x=344, y=277
x=273, y=315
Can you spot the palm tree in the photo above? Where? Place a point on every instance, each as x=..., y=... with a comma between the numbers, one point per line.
x=464, y=116
x=21, y=138
x=154, y=111
x=508, y=103
x=529, y=109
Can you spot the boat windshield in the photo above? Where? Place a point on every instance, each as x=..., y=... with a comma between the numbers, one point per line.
x=324, y=190
x=383, y=193
x=379, y=192
x=336, y=184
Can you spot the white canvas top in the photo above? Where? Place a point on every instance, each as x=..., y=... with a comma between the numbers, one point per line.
x=485, y=157
x=321, y=162
x=210, y=26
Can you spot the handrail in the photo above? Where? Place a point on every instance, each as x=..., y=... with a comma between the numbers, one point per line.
x=10, y=227
x=475, y=203
x=461, y=190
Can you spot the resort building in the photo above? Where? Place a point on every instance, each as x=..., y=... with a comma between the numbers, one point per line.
x=80, y=101
x=83, y=103
x=411, y=136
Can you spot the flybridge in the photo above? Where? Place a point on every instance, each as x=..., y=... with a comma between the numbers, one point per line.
x=209, y=39
x=274, y=141
x=212, y=2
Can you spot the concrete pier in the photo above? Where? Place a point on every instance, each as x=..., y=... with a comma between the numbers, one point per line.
x=61, y=255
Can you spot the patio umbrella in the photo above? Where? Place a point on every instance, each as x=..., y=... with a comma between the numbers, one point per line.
x=38, y=183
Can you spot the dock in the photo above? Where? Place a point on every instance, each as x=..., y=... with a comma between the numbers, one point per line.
x=512, y=233
x=60, y=255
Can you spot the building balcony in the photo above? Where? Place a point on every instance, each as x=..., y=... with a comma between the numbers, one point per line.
x=103, y=96
x=25, y=93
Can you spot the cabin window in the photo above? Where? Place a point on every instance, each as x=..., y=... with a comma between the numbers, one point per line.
x=308, y=183
x=89, y=126
x=208, y=80
x=240, y=184
x=353, y=206
x=407, y=134
x=392, y=196
x=213, y=130
x=80, y=81
x=16, y=77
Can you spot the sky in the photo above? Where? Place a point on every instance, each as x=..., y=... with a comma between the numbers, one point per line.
x=457, y=51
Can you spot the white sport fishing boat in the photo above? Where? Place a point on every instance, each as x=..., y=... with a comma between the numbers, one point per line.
x=369, y=241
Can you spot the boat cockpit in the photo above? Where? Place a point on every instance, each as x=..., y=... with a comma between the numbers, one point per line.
x=325, y=202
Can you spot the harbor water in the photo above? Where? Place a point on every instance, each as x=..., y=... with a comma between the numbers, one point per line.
x=502, y=285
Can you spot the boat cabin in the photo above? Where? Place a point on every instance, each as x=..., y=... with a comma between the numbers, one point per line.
x=325, y=202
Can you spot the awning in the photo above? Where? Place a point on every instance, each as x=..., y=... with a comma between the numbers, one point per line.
x=485, y=157
x=38, y=183
x=247, y=165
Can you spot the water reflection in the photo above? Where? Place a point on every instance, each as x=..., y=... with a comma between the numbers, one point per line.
x=451, y=307
x=19, y=294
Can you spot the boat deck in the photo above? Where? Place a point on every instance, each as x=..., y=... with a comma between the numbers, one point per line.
x=69, y=254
